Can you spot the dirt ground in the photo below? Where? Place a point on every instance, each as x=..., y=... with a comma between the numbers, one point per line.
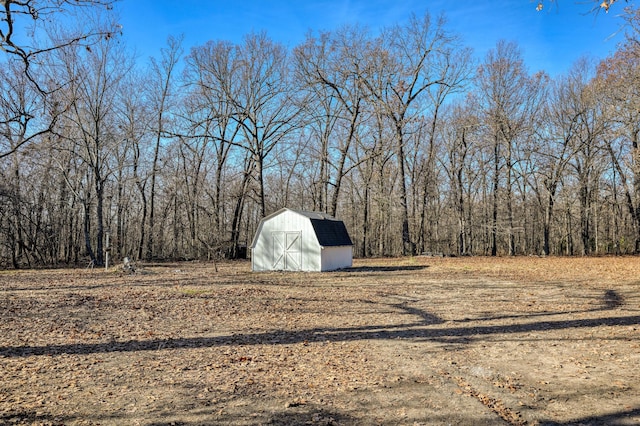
x=414, y=341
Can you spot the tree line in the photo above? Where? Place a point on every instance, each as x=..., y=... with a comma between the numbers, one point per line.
x=416, y=145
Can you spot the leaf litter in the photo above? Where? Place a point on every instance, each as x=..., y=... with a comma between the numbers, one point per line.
x=392, y=341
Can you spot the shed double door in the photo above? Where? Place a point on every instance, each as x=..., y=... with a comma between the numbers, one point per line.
x=287, y=250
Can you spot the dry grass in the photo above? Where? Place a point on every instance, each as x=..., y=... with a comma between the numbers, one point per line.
x=393, y=341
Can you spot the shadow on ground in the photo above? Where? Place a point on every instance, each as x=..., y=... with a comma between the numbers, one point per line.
x=421, y=330
x=406, y=268
x=613, y=419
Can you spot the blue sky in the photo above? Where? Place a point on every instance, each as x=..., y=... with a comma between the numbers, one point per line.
x=551, y=40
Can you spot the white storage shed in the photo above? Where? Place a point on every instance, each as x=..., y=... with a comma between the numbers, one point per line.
x=293, y=240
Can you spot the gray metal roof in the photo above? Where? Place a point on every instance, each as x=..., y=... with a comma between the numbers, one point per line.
x=331, y=232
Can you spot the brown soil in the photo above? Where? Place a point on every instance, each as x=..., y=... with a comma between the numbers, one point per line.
x=416, y=341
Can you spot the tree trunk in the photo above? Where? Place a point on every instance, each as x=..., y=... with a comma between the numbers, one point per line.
x=511, y=233
x=585, y=220
x=239, y=208
x=152, y=198
x=87, y=233
x=546, y=225
x=260, y=164
x=143, y=222
x=408, y=247
x=99, y=219
x=496, y=183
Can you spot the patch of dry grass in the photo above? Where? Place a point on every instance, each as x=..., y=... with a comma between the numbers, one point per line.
x=415, y=340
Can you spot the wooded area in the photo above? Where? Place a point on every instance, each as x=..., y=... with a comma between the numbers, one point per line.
x=401, y=134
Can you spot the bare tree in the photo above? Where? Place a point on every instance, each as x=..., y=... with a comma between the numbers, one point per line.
x=553, y=146
x=375, y=128
x=253, y=101
x=328, y=68
x=89, y=124
x=406, y=61
x=210, y=74
x=265, y=107
x=22, y=20
x=587, y=161
x=618, y=81
x=507, y=104
x=134, y=121
x=593, y=6
x=454, y=77
x=461, y=135
x=161, y=97
x=21, y=113
x=214, y=72
x=24, y=111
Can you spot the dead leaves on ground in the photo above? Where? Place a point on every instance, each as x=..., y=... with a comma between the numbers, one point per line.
x=236, y=345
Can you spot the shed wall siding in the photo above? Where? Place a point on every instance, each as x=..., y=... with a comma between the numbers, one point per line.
x=337, y=257
x=265, y=258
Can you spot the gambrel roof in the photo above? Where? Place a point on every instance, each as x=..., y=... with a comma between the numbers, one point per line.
x=330, y=232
